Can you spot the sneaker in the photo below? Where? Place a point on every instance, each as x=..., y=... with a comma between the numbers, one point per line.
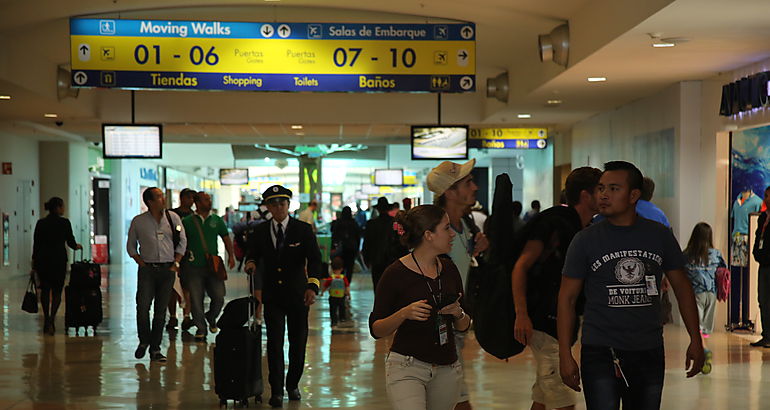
x=187, y=323
x=157, y=357
x=140, y=351
x=200, y=337
x=213, y=329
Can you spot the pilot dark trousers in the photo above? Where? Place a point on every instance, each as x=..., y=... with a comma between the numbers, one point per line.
x=278, y=317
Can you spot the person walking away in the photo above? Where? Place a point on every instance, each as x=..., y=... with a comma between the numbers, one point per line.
x=180, y=294
x=455, y=191
x=346, y=237
x=419, y=298
x=702, y=264
x=339, y=290
x=535, y=209
x=761, y=253
x=161, y=242
x=308, y=214
x=283, y=247
x=618, y=265
x=203, y=228
x=49, y=259
x=379, y=239
x=535, y=284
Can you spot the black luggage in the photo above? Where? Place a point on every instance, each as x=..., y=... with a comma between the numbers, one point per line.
x=85, y=273
x=238, y=365
x=83, y=307
x=238, y=353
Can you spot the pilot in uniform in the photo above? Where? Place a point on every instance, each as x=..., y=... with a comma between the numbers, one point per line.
x=285, y=246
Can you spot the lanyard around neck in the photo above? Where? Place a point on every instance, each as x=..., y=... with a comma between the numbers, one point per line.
x=427, y=281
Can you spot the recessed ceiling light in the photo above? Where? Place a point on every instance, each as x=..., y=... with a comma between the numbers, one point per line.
x=299, y=133
x=553, y=102
x=524, y=116
x=663, y=45
x=50, y=115
x=5, y=97
x=596, y=79
x=296, y=127
x=267, y=159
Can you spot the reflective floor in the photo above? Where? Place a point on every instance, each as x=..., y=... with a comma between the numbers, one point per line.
x=344, y=370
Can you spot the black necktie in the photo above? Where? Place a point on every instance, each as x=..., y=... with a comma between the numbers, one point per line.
x=279, y=237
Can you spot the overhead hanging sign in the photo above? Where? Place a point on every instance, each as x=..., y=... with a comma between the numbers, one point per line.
x=508, y=138
x=214, y=55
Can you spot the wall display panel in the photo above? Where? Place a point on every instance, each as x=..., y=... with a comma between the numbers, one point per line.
x=132, y=141
x=223, y=55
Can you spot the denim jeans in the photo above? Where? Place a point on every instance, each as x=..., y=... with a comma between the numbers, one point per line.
x=196, y=279
x=155, y=282
x=643, y=369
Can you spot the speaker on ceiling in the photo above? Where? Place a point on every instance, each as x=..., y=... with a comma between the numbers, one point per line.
x=64, y=84
x=554, y=46
x=498, y=87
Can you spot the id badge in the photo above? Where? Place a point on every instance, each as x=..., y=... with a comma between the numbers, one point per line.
x=652, y=286
x=443, y=331
x=161, y=236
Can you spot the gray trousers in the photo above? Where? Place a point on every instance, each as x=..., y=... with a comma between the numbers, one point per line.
x=197, y=279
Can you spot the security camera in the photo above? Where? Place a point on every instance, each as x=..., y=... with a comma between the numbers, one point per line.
x=59, y=123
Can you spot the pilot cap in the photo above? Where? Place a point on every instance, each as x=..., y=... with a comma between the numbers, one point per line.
x=275, y=192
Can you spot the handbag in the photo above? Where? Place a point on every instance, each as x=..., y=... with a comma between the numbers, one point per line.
x=723, y=283
x=214, y=262
x=30, y=297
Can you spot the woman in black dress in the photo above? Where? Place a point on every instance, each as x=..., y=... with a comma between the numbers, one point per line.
x=49, y=258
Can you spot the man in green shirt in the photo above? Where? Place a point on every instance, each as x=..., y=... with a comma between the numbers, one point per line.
x=203, y=225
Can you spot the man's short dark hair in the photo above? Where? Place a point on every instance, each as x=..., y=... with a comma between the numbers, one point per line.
x=648, y=189
x=148, y=195
x=635, y=177
x=187, y=191
x=579, y=180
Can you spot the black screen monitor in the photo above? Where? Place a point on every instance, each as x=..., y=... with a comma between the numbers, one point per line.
x=389, y=177
x=439, y=142
x=234, y=176
x=132, y=141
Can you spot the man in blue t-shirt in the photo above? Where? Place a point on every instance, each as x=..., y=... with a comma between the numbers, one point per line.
x=618, y=263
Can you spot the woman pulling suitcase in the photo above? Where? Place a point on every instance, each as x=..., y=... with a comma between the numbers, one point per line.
x=49, y=258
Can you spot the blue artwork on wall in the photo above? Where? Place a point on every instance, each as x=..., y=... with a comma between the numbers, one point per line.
x=750, y=161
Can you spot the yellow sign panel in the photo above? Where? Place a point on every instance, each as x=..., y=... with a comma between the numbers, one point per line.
x=508, y=133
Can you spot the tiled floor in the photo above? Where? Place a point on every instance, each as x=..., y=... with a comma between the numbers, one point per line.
x=343, y=370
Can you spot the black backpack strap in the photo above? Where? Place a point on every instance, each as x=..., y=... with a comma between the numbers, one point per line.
x=176, y=237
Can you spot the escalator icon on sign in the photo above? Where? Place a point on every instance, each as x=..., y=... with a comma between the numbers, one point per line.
x=80, y=78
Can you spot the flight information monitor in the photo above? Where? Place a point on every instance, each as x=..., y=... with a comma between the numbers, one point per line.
x=234, y=176
x=132, y=141
x=388, y=177
x=439, y=142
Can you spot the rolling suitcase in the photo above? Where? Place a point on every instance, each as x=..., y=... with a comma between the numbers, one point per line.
x=83, y=307
x=84, y=273
x=238, y=354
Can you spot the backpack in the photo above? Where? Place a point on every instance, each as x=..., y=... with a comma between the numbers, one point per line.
x=337, y=286
x=494, y=314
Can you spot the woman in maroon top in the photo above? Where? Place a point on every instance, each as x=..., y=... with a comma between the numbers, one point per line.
x=419, y=298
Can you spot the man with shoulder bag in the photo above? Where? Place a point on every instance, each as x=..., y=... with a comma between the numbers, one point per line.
x=205, y=268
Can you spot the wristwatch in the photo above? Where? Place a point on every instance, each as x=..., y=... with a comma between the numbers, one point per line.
x=176, y=264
